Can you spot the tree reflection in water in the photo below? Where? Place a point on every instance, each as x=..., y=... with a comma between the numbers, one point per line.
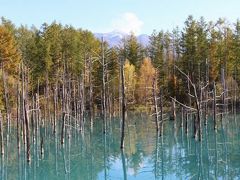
x=91, y=155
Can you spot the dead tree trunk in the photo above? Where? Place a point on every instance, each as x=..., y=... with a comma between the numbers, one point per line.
x=27, y=131
x=63, y=128
x=182, y=116
x=155, y=103
x=6, y=100
x=186, y=122
x=33, y=117
x=90, y=93
x=161, y=111
x=197, y=108
x=206, y=92
x=1, y=133
x=214, y=106
x=26, y=117
x=235, y=96
x=22, y=103
x=47, y=99
x=55, y=91
x=224, y=103
x=174, y=85
x=109, y=95
x=82, y=102
x=120, y=92
x=198, y=132
x=123, y=104
x=174, y=109
x=189, y=91
x=18, y=115
x=103, y=87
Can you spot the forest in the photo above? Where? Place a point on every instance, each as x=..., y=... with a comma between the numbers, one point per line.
x=58, y=76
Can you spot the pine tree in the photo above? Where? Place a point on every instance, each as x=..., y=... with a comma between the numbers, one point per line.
x=156, y=53
x=133, y=50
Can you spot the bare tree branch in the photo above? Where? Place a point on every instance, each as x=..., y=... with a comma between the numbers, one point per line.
x=183, y=104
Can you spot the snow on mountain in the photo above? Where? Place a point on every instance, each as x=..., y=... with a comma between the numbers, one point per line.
x=143, y=39
x=114, y=38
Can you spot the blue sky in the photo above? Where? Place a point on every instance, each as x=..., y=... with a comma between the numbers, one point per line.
x=139, y=16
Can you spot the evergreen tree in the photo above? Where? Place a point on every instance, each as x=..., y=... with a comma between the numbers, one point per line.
x=133, y=50
x=156, y=53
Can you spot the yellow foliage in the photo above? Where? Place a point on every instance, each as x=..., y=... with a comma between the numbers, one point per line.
x=145, y=81
x=130, y=80
x=9, y=55
x=9, y=63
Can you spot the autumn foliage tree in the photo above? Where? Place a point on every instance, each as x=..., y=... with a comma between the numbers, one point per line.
x=145, y=80
x=130, y=81
x=9, y=54
x=9, y=63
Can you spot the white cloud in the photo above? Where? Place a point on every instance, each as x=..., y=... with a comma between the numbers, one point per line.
x=127, y=22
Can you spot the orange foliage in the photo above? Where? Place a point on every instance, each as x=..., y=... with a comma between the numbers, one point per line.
x=9, y=55
x=145, y=81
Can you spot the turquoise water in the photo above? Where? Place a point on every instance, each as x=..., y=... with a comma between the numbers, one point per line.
x=94, y=155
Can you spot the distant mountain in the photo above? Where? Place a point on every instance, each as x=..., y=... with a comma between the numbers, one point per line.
x=114, y=38
x=143, y=39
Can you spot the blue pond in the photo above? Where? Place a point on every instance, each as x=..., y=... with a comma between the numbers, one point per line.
x=91, y=154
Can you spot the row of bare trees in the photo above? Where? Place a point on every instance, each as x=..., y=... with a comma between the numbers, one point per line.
x=203, y=99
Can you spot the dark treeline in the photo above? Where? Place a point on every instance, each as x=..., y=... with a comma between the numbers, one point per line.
x=59, y=72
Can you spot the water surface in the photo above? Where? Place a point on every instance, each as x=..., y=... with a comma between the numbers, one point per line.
x=93, y=155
